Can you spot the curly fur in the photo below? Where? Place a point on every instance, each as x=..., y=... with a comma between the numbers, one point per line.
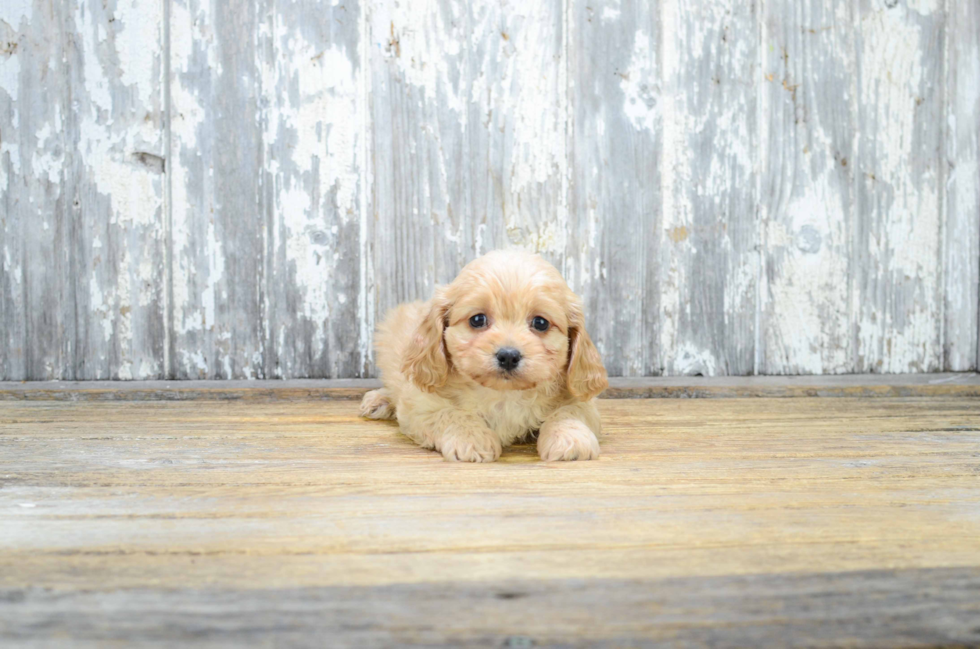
x=442, y=382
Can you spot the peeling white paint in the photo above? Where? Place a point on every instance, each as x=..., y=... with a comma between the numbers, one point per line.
x=48, y=158
x=402, y=30
x=808, y=200
x=317, y=96
x=13, y=12
x=486, y=122
x=806, y=331
x=9, y=65
x=674, y=210
x=691, y=359
x=962, y=190
x=641, y=88
x=188, y=118
x=107, y=147
x=923, y=7
x=905, y=244
x=611, y=13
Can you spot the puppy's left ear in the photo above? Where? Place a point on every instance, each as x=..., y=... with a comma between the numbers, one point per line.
x=586, y=374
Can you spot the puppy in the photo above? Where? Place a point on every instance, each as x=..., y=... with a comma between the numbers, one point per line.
x=498, y=354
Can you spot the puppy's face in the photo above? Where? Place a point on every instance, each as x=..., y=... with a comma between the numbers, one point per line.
x=507, y=328
x=508, y=322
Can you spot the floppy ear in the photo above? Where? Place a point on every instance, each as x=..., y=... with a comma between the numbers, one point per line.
x=426, y=363
x=586, y=374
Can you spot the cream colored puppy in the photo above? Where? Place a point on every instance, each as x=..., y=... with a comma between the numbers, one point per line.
x=499, y=353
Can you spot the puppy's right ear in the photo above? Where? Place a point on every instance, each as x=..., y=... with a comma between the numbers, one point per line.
x=426, y=363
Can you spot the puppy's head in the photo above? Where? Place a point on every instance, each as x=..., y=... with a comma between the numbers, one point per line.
x=508, y=322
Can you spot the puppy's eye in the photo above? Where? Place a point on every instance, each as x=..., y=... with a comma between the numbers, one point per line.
x=479, y=321
x=540, y=324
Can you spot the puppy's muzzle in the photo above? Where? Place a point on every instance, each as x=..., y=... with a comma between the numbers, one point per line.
x=508, y=358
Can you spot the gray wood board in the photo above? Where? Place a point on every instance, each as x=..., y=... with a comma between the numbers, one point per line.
x=734, y=188
x=853, y=385
x=962, y=200
x=897, y=235
x=613, y=252
x=809, y=94
x=83, y=197
x=879, y=608
x=709, y=164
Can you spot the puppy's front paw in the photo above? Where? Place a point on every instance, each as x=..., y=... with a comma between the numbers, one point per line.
x=567, y=439
x=469, y=446
x=377, y=404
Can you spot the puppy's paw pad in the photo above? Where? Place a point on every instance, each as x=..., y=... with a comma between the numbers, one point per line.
x=376, y=404
x=470, y=448
x=567, y=440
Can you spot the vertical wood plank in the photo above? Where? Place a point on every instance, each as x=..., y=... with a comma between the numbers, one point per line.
x=709, y=239
x=897, y=288
x=468, y=138
x=115, y=64
x=808, y=128
x=962, y=258
x=615, y=83
x=219, y=227
x=267, y=189
x=312, y=184
x=37, y=314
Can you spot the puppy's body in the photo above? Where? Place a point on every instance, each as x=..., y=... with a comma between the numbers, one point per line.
x=452, y=385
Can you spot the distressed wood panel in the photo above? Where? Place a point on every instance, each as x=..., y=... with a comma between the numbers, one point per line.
x=613, y=256
x=781, y=187
x=219, y=227
x=809, y=127
x=709, y=243
x=117, y=252
x=266, y=189
x=468, y=138
x=961, y=266
x=37, y=314
x=83, y=189
x=896, y=289
x=312, y=183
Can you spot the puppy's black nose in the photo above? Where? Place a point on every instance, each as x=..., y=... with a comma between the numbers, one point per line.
x=508, y=358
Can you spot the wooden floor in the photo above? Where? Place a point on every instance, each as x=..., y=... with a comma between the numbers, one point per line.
x=707, y=522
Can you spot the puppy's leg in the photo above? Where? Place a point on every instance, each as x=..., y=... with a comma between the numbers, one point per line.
x=459, y=436
x=569, y=434
x=377, y=404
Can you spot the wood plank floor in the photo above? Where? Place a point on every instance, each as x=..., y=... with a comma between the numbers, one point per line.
x=724, y=522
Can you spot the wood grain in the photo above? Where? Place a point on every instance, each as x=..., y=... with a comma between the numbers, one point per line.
x=117, y=248
x=787, y=187
x=809, y=94
x=924, y=608
x=311, y=75
x=852, y=385
x=710, y=242
x=219, y=225
x=962, y=199
x=82, y=189
x=613, y=254
x=897, y=235
x=807, y=521
x=37, y=323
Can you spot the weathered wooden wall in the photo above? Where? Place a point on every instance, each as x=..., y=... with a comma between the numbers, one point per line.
x=241, y=188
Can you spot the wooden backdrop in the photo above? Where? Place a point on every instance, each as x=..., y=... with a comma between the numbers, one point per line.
x=241, y=188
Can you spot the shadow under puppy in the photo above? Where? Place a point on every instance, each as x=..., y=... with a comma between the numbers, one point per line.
x=498, y=354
